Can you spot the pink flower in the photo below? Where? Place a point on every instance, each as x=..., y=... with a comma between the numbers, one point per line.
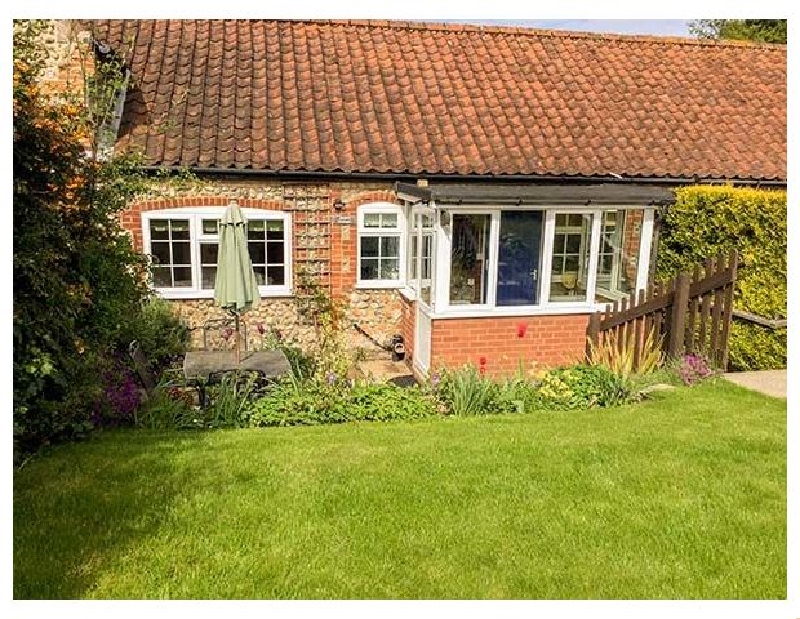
x=227, y=333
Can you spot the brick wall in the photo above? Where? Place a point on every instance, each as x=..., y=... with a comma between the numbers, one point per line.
x=547, y=341
x=407, y=321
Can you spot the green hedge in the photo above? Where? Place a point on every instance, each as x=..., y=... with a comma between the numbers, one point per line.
x=708, y=219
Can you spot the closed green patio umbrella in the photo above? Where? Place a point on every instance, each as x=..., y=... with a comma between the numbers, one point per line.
x=236, y=287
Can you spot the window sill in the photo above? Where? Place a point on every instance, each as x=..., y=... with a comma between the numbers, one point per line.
x=551, y=309
x=169, y=293
x=409, y=294
x=380, y=285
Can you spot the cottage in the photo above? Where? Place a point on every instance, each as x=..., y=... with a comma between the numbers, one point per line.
x=477, y=190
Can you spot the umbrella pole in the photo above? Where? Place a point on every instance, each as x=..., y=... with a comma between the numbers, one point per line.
x=238, y=350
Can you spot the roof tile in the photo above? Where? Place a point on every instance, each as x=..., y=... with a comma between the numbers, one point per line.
x=441, y=99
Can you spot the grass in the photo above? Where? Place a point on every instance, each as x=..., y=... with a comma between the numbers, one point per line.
x=683, y=496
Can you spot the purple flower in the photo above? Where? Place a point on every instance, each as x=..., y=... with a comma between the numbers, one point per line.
x=226, y=334
x=435, y=379
x=331, y=376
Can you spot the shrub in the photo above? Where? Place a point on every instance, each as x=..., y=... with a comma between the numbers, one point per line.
x=77, y=278
x=694, y=368
x=169, y=409
x=707, y=220
x=120, y=398
x=230, y=401
x=162, y=335
x=315, y=402
x=466, y=392
x=620, y=359
x=581, y=386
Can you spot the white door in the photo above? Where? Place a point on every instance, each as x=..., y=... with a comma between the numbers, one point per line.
x=423, y=268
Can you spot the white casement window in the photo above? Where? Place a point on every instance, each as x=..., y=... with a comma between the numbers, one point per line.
x=183, y=245
x=381, y=246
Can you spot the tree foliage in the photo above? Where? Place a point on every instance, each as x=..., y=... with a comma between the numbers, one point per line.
x=77, y=279
x=760, y=30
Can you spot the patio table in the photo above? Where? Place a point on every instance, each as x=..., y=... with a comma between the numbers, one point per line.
x=200, y=365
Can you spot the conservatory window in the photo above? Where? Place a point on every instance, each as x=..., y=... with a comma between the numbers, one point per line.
x=618, y=260
x=569, y=271
x=470, y=259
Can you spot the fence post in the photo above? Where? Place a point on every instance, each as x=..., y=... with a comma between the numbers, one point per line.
x=592, y=333
x=677, y=327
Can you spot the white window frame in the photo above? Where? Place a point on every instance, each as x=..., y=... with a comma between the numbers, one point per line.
x=442, y=307
x=195, y=215
x=400, y=231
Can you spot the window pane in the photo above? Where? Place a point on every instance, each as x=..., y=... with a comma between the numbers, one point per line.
x=274, y=230
x=208, y=253
x=275, y=252
x=519, y=252
x=369, y=246
x=179, y=229
x=276, y=276
x=414, y=256
x=261, y=275
x=390, y=268
x=209, y=277
x=159, y=252
x=369, y=268
x=210, y=226
x=372, y=220
x=573, y=243
x=569, y=276
x=255, y=229
x=469, y=266
x=182, y=276
x=162, y=277
x=618, y=267
x=257, y=252
x=559, y=243
x=390, y=246
x=181, y=253
x=389, y=220
x=159, y=229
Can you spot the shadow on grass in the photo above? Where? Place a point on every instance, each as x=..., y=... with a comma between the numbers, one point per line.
x=107, y=495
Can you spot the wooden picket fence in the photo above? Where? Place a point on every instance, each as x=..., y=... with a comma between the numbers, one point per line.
x=688, y=314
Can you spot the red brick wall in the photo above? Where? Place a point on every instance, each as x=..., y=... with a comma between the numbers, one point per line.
x=407, y=321
x=547, y=341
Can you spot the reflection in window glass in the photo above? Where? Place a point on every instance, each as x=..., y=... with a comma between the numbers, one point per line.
x=519, y=251
x=571, y=246
x=618, y=261
x=469, y=267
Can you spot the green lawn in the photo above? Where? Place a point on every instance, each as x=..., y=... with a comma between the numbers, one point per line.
x=680, y=497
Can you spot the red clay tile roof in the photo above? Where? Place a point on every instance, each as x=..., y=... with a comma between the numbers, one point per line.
x=449, y=99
